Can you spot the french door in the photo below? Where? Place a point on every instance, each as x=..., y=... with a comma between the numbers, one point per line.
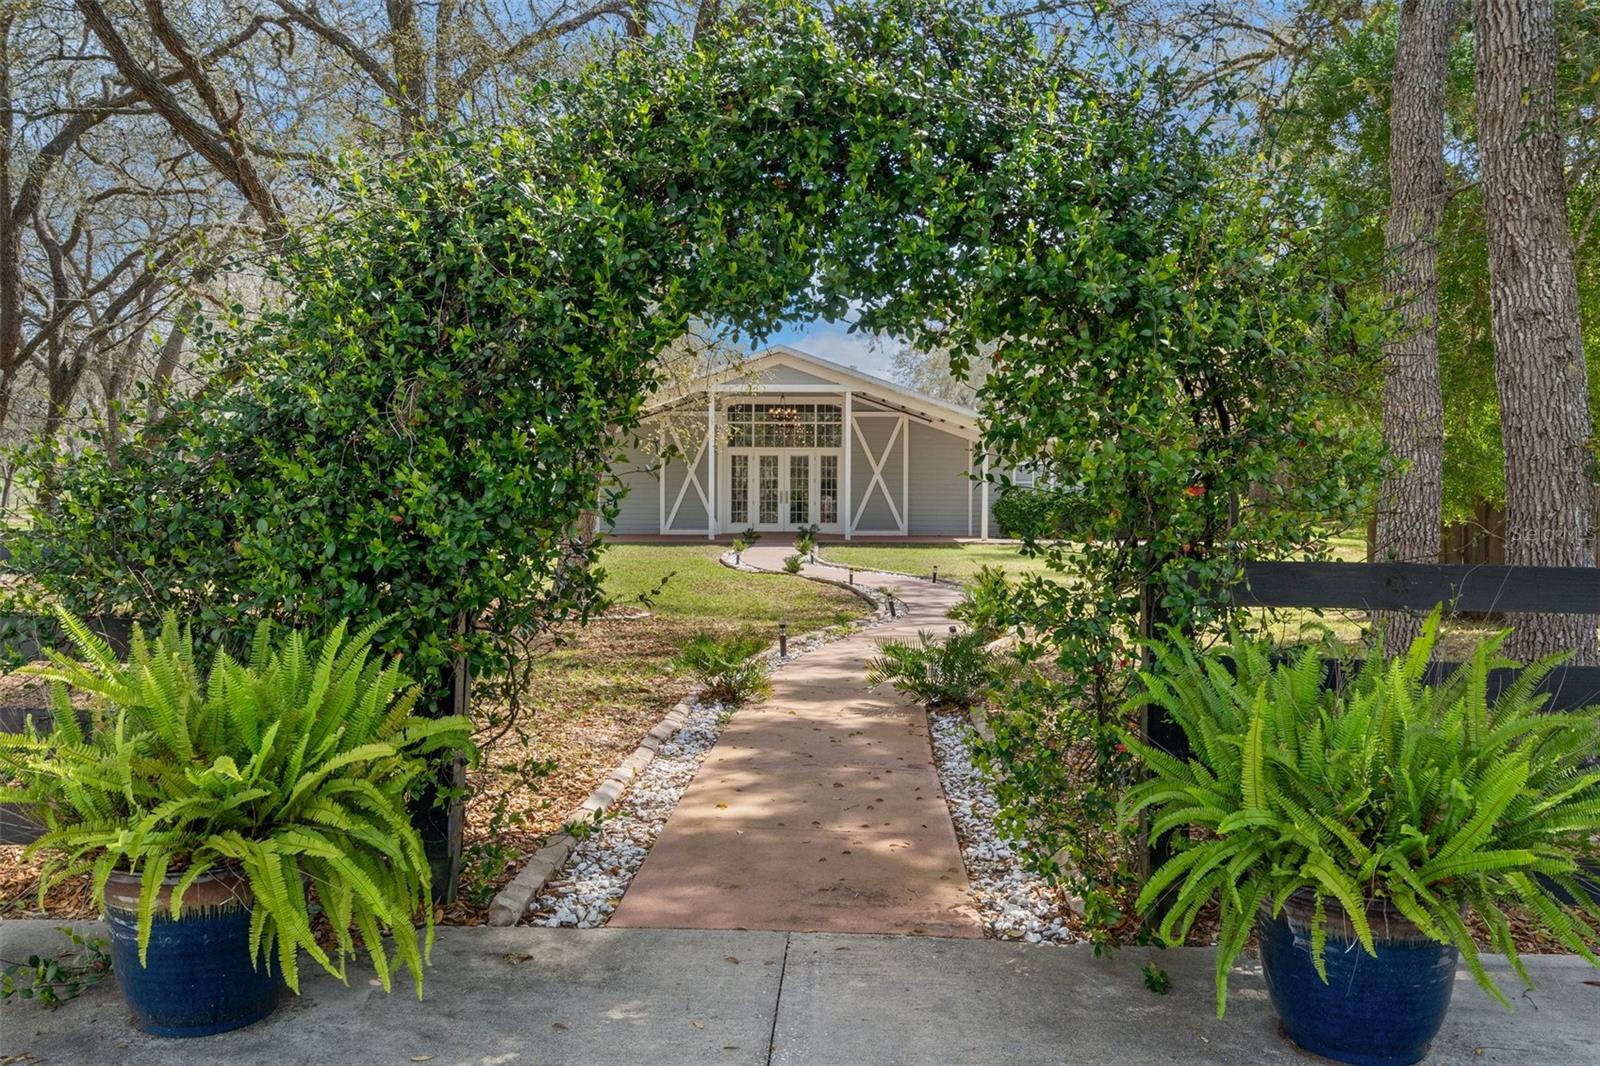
x=782, y=488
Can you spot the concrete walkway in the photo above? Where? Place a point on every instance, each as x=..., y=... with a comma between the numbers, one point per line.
x=818, y=809
x=574, y=997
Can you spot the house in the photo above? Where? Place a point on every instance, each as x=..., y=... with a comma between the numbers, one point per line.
x=788, y=440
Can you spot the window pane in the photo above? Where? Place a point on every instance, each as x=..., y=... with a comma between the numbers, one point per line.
x=828, y=488
x=739, y=489
x=767, y=487
x=799, y=489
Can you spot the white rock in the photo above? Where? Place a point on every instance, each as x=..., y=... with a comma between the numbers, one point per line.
x=1013, y=903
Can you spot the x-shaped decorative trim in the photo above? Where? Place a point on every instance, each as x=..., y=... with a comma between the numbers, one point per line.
x=876, y=481
x=690, y=478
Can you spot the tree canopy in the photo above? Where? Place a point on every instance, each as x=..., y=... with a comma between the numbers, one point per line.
x=472, y=334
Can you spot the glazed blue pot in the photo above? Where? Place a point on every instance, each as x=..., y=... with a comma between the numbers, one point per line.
x=1381, y=1011
x=197, y=979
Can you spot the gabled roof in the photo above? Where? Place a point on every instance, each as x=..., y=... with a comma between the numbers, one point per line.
x=754, y=375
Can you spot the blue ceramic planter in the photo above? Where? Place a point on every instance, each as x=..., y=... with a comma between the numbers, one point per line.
x=1380, y=1011
x=198, y=979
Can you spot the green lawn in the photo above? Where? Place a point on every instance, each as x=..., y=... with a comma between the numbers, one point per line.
x=957, y=561
x=698, y=588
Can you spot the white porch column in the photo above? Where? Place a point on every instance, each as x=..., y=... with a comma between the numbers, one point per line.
x=711, y=464
x=985, y=525
x=849, y=442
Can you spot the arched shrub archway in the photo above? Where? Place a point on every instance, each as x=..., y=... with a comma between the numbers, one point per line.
x=472, y=328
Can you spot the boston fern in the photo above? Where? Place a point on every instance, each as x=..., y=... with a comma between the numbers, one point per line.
x=1432, y=798
x=292, y=767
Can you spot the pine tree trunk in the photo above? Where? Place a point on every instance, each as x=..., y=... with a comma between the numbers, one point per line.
x=1538, y=341
x=1410, y=501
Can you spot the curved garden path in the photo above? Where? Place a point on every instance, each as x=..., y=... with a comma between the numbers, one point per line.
x=819, y=809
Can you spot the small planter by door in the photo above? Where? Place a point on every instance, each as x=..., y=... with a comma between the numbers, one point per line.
x=198, y=978
x=1381, y=1011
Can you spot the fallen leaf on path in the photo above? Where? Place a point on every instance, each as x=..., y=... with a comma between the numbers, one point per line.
x=731, y=959
x=699, y=1025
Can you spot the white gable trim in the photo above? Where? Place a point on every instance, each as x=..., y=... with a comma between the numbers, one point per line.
x=746, y=379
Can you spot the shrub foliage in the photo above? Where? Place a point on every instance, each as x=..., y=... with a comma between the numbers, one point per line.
x=941, y=672
x=730, y=669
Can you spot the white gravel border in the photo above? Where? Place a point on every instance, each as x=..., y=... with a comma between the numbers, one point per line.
x=609, y=850
x=1013, y=903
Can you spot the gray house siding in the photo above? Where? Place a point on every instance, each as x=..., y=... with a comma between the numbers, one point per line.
x=940, y=490
x=639, y=510
x=789, y=375
x=690, y=516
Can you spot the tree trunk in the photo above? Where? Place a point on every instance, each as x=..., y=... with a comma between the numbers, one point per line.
x=1409, y=503
x=409, y=57
x=1538, y=341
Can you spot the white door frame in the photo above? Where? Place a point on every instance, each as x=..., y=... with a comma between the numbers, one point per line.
x=752, y=488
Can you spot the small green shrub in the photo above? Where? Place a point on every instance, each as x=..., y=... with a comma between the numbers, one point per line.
x=728, y=669
x=739, y=546
x=1037, y=513
x=585, y=828
x=1432, y=798
x=806, y=541
x=958, y=671
x=294, y=767
x=792, y=564
x=988, y=604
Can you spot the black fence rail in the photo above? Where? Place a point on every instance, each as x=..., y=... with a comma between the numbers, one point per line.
x=1471, y=590
x=1419, y=586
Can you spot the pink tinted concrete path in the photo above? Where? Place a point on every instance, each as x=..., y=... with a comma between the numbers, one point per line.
x=819, y=809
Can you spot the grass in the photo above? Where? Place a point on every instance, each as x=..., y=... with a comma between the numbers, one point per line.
x=700, y=589
x=956, y=561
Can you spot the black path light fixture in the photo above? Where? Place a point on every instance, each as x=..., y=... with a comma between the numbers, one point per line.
x=783, y=640
x=935, y=578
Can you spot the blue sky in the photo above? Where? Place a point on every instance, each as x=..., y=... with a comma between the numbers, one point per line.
x=833, y=340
